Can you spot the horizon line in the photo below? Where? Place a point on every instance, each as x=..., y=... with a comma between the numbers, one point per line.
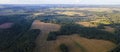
x=59, y=4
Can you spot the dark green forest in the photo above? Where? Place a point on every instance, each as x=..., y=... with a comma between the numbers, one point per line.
x=61, y=19
x=18, y=38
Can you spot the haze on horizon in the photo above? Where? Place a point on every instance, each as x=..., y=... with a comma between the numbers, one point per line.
x=92, y=2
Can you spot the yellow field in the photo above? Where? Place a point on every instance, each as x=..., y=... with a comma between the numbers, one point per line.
x=71, y=13
x=87, y=24
x=89, y=9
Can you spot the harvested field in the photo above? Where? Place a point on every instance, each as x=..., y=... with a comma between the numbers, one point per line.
x=109, y=29
x=47, y=27
x=86, y=24
x=6, y=25
x=94, y=45
x=41, y=42
x=76, y=43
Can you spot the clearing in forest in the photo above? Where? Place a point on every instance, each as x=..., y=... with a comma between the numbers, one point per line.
x=6, y=25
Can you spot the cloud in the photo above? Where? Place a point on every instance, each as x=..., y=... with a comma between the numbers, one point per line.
x=4, y=1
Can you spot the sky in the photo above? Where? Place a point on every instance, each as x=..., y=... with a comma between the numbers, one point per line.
x=91, y=2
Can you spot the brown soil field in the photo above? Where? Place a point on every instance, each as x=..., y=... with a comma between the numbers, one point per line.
x=109, y=29
x=41, y=42
x=6, y=25
x=74, y=42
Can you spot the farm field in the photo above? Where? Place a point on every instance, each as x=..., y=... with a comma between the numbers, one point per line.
x=75, y=43
x=41, y=42
x=59, y=28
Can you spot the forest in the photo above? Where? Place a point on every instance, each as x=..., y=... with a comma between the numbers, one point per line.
x=45, y=28
x=12, y=38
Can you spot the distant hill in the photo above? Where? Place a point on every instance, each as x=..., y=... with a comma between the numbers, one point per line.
x=57, y=5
